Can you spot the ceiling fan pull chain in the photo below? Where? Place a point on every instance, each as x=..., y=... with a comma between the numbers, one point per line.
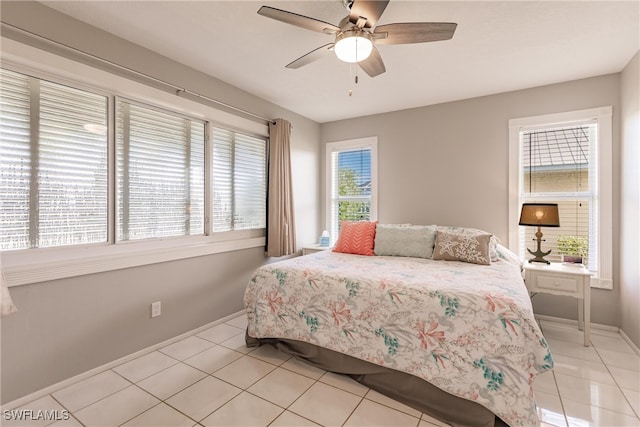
x=353, y=71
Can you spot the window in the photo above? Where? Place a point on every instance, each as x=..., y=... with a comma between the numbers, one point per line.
x=239, y=181
x=72, y=205
x=160, y=173
x=562, y=159
x=53, y=145
x=61, y=184
x=351, y=182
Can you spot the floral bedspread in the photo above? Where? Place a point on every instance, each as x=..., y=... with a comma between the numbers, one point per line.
x=467, y=329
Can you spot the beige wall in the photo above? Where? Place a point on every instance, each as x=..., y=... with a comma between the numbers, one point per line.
x=66, y=327
x=630, y=201
x=448, y=164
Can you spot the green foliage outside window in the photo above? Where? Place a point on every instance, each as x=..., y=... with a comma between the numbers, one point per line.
x=573, y=245
x=348, y=186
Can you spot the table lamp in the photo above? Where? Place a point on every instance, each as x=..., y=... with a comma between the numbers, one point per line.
x=540, y=215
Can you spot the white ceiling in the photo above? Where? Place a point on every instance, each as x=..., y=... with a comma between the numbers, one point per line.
x=497, y=47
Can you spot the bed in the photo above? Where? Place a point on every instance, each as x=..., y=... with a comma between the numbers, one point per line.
x=456, y=340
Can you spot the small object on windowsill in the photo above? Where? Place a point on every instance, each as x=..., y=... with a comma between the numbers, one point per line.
x=572, y=260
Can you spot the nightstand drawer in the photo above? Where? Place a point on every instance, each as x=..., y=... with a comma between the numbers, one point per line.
x=562, y=284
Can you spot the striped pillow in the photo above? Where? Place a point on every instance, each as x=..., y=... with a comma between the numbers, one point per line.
x=356, y=238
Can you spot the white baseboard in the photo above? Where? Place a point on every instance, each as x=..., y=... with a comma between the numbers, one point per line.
x=65, y=383
x=595, y=328
x=574, y=323
x=628, y=340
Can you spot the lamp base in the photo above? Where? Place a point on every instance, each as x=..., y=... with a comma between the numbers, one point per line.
x=538, y=254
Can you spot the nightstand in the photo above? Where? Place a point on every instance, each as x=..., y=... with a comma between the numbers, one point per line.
x=559, y=279
x=310, y=249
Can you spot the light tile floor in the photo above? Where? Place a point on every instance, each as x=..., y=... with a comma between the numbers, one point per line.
x=212, y=379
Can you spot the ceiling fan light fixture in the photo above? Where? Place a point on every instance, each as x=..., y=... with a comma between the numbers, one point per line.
x=353, y=45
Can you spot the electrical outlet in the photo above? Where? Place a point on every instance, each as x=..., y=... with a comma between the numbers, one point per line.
x=156, y=309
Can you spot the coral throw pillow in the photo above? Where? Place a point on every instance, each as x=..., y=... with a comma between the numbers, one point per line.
x=356, y=238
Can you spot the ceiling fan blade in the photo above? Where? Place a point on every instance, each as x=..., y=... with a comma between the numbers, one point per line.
x=298, y=20
x=414, y=32
x=370, y=9
x=310, y=57
x=373, y=65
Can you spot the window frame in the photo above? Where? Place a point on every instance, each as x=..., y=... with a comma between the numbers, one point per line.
x=349, y=145
x=35, y=125
x=210, y=192
x=27, y=266
x=125, y=204
x=603, y=182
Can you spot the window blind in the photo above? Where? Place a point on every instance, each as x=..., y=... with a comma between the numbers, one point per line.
x=559, y=167
x=239, y=181
x=160, y=173
x=55, y=167
x=54, y=164
x=250, y=187
x=15, y=165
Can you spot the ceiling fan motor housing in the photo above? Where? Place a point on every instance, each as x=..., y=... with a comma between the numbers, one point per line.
x=353, y=45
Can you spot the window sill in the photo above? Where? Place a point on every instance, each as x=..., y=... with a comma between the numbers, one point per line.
x=40, y=265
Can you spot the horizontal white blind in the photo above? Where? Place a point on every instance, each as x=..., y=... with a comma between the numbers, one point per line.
x=15, y=164
x=72, y=166
x=160, y=172
x=239, y=181
x=222, y=180
x=195, y=207
x=54, y=164
x=250, y=176
x=559, y=167
x=350, y=186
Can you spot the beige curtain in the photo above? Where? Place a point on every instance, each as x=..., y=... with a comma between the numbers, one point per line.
x=281, y=234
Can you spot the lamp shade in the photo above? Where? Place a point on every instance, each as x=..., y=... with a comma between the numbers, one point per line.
x=353, y=46
x=540, y=214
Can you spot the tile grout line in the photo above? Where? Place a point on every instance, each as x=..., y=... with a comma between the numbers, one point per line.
x=555, y=381
x=606, y=365
x=564, y=410
x=617, y=386
x=200, y=380
x=315, y=381
x=178, y=361
x=53, y=388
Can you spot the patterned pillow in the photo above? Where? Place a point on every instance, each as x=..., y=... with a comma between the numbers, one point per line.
x=405, y=240
x=460, y=247
x=493, y=243
x=356, y=238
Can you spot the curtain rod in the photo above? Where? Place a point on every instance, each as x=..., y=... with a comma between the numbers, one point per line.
x=178, y=90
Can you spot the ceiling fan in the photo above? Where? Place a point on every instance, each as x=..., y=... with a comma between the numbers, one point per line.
x=356, y=35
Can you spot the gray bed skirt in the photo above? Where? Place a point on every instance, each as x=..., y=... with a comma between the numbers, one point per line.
x=403, y=387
